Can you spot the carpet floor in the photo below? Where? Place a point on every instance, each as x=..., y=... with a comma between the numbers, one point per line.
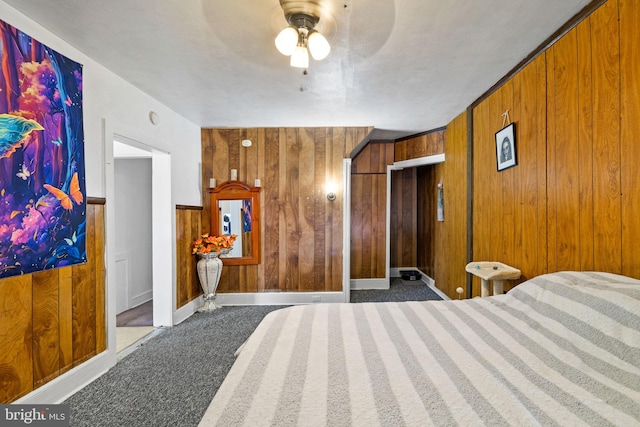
x=400, y=290
x=171, y=379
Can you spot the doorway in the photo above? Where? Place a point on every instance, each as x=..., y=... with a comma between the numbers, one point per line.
x=133, y=237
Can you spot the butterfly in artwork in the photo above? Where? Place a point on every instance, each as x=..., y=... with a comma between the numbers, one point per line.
x=57, y=142
x=66, y=200
x=25, y=173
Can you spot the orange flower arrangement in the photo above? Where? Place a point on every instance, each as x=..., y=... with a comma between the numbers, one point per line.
x=206, y=244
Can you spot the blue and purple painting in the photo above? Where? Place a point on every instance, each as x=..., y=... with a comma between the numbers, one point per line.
x=42, y=176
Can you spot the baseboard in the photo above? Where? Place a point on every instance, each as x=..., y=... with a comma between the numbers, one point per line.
x=279, y=298
x=361, y=284
x=187, y=310
x=141, y=298
x=59, y=389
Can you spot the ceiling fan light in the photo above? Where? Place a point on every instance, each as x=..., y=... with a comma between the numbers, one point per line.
x=318, y=45
x=300, y=57
x=287, y=40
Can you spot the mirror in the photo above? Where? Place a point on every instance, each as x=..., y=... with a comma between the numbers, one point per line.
x=235, y=209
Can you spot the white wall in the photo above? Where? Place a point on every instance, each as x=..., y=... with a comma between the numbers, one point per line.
x=133, y=231
x=114, y=107
x=109, y=97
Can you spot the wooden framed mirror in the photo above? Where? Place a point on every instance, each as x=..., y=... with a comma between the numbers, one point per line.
x=235, y=209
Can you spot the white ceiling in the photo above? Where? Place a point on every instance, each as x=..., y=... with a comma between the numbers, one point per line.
x=403, y=66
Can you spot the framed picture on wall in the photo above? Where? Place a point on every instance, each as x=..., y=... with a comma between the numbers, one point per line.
x=506, y=147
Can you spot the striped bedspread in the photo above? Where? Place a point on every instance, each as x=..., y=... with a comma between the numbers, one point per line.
x=561, y=349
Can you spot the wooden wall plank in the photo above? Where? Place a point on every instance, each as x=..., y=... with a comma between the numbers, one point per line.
x=16, y=357
x=395, y=219
x=585, y=145
x=307, y=208
x=379, y=226
x=483, y=159
x=65, y=318
x=367, y=217
x=630, y=130
x=336, y=159
x=508, y=183
x=270, y=194
x=518, y=193
x=100, y=277
x=328, y=221
x=606, y=136
x=427, y=231
x=527, y=151
x=552, y=202
x=183, y=240
x=46, y=352
x=292, y=210
x=188, y=228
x=319, y=238
x=567, y=179
x=357, y=226
x=84, y=304
x=283, y=262
x=260, y=142
x=541, y=162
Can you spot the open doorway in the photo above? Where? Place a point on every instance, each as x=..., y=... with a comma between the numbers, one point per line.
x=133, y=236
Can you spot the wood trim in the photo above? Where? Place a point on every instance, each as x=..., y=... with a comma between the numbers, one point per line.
x=189, y=208
x=418, y=135
x=96, y=201
x=469, y=282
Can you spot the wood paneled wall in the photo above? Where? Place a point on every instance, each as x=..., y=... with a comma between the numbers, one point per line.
x=404, y=218
x=423, y=145
x=449, y=256
x=301, y=230
x=413, y=215
x=509, y=207
x=572, y=200
x=427, y=240
x=53, y=320
x=418, y=239
x=188, y=228
x=368, y=210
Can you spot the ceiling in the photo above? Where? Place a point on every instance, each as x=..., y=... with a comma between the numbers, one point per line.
x=402, y=66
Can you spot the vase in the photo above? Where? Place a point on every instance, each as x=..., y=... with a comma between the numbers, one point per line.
x=209, y=268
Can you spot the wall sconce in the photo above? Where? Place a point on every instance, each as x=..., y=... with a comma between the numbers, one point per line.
x=331, y=191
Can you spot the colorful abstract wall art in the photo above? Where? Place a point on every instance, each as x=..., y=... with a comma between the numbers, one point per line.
x=42, y=175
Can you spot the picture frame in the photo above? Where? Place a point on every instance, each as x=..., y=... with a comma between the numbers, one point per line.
x=506, y=147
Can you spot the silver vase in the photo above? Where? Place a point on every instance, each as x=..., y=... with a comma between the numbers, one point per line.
x=209, y=268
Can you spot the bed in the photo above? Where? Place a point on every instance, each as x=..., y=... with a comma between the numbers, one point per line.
x=560, y=349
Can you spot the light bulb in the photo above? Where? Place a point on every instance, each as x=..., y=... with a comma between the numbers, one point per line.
x=300, y=57
x=318, y=45
x=287, y=40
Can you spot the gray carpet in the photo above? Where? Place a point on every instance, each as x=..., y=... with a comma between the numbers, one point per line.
x=170, y=380
x=400, y=290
